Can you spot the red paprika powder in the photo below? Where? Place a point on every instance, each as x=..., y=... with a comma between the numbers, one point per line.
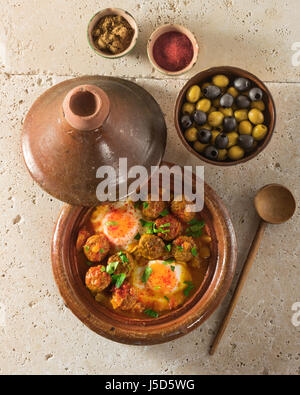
x=173, y=51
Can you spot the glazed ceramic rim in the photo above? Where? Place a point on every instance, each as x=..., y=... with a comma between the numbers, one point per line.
x=168, y=327
x=112, y=11
x=204, y=75
x=169, y=27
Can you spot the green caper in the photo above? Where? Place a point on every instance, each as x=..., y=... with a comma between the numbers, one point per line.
x=256, y=116
x=245, y=127
x=187, y=108
x=203, y=105
x=259, y=132
x=191, y=134
x=193, y=94
x=236, y=152
x=215, y=118
x=220, y=80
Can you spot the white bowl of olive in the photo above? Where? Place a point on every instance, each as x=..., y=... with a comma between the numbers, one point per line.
x=225, y=115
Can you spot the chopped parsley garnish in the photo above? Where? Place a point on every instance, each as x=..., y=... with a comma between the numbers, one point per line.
x=111, y=267
x=168, y=261
x=118, y=279
x=146, y=274
x=152, y=229
x=103, y=269
x=164, y=212
x=195, y=228
x=189, y=287
x=123, y=257
x=167, y=298
x=172, y=268
x=180, y=248
x=137, y=236
x=151, y=313
x=156, y=287
x=145, y=204
x=101, y=250
x=194, y=251
x=169, y=247
x=86, y=248
x=111, y=223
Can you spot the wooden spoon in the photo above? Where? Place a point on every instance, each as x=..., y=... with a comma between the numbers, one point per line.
x=274, y=204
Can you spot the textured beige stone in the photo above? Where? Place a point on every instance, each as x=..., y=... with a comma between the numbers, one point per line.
x=40, y=335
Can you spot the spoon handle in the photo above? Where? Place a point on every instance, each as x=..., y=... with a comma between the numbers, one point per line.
x=246, y=268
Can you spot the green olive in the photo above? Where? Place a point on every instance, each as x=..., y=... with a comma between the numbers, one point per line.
x=191, y=134
x=232, y=91
x=203, y=105
x=227, y=112
x=256, y=116
x=233, y=139
x=214, y=134
x=260, y=105
x=215, y=118
x=241, y=115
x=187, y=108
x=259, y=132
x=222, y=155
x=206, y=126
x=245, y=127
x=205, y=85
x=199, y=147
x=236, y=153
x=193, y=94
x=220, y=80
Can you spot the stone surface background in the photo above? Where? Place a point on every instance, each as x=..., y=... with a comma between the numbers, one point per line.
x=42, y=43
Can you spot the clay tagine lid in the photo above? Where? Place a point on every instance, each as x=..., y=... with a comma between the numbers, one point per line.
x=84, y=123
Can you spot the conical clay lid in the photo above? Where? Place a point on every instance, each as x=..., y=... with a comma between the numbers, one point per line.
x=85, y=123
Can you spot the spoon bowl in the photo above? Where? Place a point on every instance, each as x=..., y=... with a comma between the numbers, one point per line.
x=275, y=204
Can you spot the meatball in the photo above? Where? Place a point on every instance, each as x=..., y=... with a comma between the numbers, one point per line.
x=180, y=208
x=151, y=246
x=82, y=237
x=168, y=227
x=151, y=209
x=96, y=279
x=125, y=298
x=125, y=261
x=184, y=248
x=96, y=247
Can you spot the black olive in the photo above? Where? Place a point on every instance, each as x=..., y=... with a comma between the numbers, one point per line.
x=211, y=92
x=255, y=94
x=229, y=124
x=245, y=141
x=221, y=141
x=242, y=101
x=241, y=84
x=186, y=121
x=226, y=100
x=200, y=117
x=204, y=136
x=211, y=152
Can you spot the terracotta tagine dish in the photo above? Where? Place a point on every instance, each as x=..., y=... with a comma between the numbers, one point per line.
x=70, y=267
x=84, y=123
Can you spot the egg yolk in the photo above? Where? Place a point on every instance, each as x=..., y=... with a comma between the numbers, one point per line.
x=162, y=278
x=118, y=224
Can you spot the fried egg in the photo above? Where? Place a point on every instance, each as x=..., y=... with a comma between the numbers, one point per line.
x=163, y=288
x=120, y=222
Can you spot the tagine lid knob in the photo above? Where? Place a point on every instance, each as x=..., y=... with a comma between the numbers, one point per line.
x=83, y=127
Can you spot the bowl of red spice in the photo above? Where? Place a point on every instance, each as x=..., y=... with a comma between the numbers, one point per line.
x=172, y=49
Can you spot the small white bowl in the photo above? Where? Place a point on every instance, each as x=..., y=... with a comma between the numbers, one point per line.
x=111, y=11
x=166, y=29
